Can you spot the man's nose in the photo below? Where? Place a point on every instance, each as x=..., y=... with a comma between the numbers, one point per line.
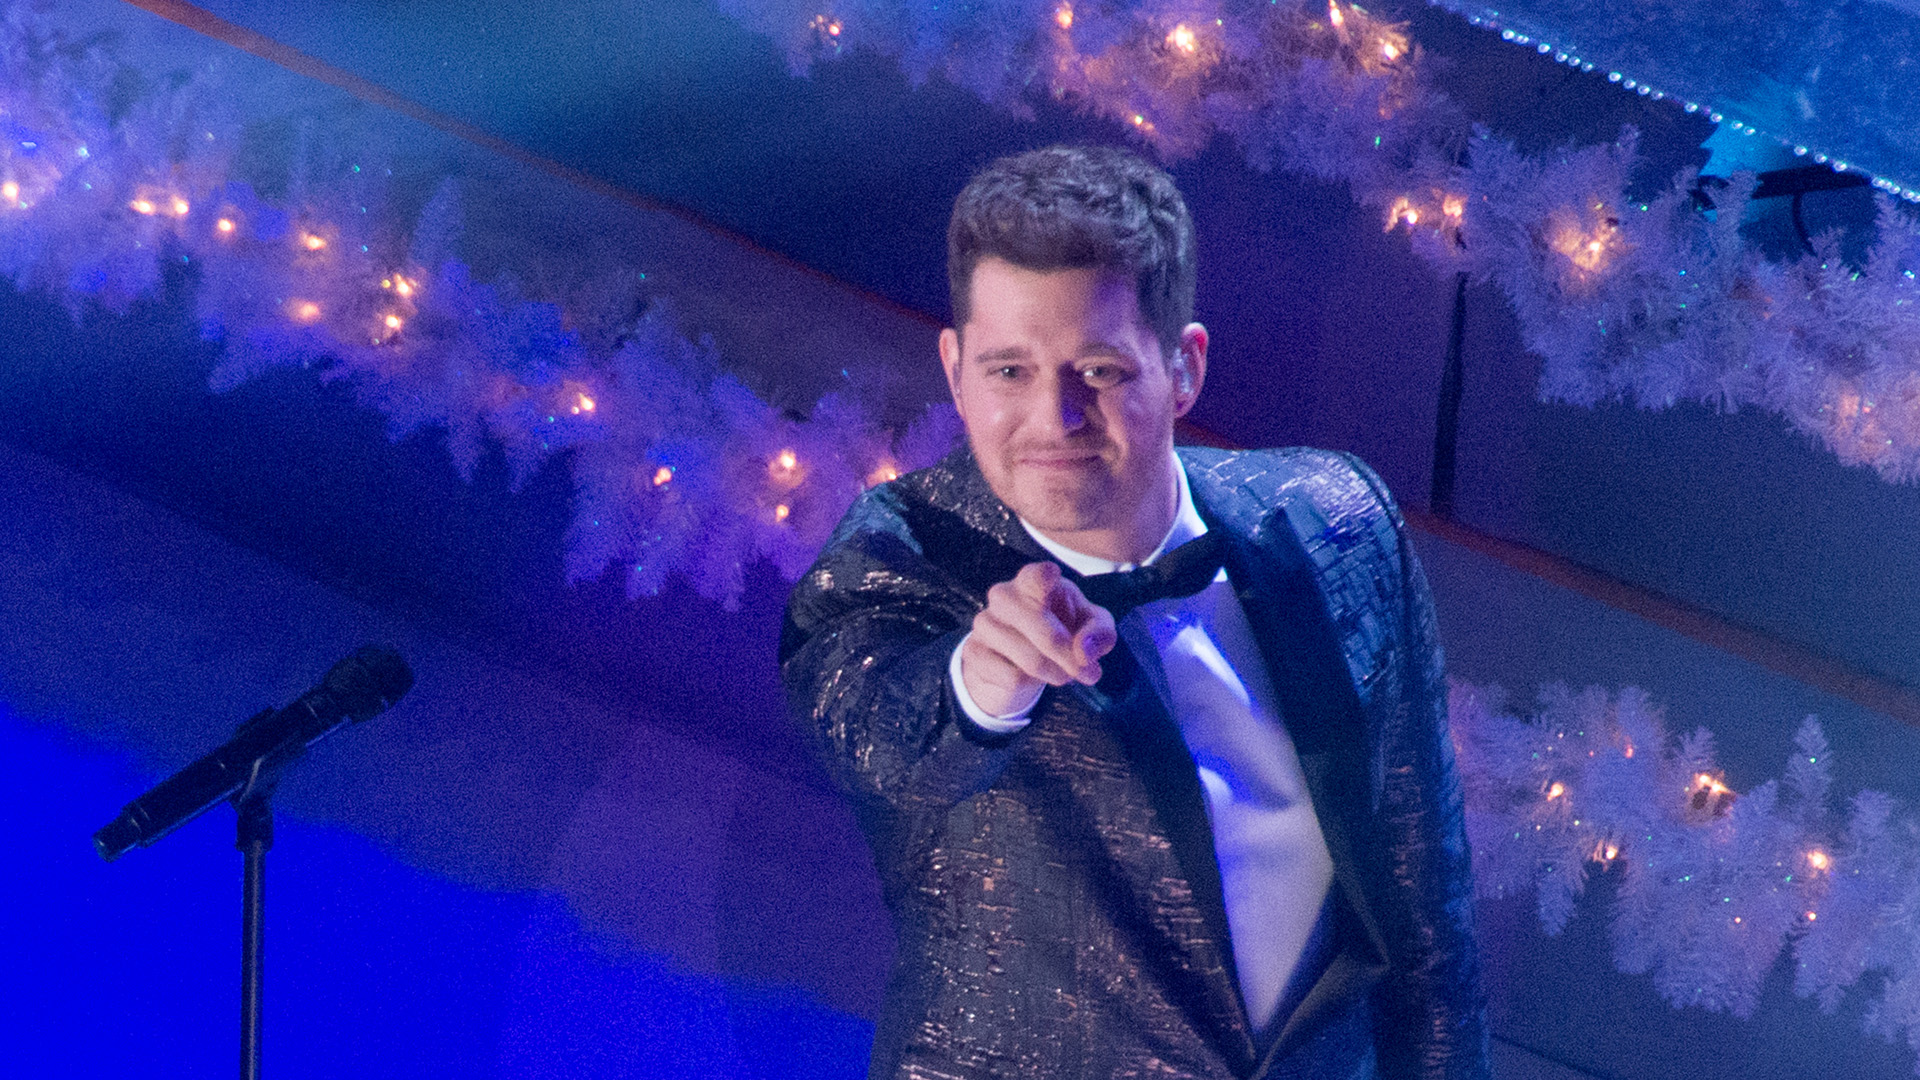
x=1069, y=402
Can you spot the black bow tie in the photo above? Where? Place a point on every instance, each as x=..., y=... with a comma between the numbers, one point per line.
x=1181, y=572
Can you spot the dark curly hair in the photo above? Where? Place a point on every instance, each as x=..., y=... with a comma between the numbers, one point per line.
x=1074, y=208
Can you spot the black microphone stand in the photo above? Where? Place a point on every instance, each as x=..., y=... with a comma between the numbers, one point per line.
x=254, y=836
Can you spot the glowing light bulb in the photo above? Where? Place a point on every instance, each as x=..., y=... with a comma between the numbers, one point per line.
x=305, y=311
x=143, y=206
x=661, y=475
x=180, y=206
x=788, y=460
x=1063, y=16
x=395, y=322
x=782, y=512
x=1182, y=38
x=402, y=286
x=1390, y=50
x=10, y=191
x=225, y=225
x=1818, y=859
x=1454, y=207
x=1556, y=789
x=1629, y=750
x=1613, y=852
x=312, y=242
x=586, y=404
x=885, y=472
x=1812, y=915
x=1334, y=16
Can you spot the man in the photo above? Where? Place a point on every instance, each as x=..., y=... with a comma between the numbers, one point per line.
x=1196, y=820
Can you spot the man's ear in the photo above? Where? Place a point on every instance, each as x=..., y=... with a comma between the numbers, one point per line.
x=950, y=363
x=1189, y=367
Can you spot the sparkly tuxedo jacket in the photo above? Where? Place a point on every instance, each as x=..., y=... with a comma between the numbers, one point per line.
x=1055, y=894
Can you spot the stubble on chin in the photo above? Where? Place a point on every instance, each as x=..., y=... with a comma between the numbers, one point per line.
x=1056, y=504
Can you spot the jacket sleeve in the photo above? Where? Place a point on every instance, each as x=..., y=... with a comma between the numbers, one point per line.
x=864, y=655
x=1433, y=1006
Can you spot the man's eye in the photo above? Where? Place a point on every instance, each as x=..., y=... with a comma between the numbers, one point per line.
x=1103, y=374
x=1006, y=371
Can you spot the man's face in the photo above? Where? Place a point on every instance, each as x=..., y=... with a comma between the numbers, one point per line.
x=1069, y=404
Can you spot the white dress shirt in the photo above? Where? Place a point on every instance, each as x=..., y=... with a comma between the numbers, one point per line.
x=1275, y=870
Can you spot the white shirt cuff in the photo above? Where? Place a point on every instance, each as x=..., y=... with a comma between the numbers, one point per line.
x=999, y=725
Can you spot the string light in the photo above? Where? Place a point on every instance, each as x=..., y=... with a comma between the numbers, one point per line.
x=1586, y=250
x=1334, y=16
x=225, y=226
x=1556, y=789
x=143, y=206
x=1063, y=16
x=1818, y=859
x=1181, y=37
x=395, y=322
x=305, y=311
x=662, y=475
x=313, y=241
x=782, y=512
x=181, y=207
x=1710, y=795
x=885, y=472
x=582, y=404
x=10, y=191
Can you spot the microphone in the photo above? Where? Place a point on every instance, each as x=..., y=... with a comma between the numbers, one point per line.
x=356, y=689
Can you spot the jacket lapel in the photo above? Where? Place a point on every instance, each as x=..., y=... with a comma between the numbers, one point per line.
x=1278, y=587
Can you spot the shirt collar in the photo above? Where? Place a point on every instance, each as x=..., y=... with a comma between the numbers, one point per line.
x=1186, y=526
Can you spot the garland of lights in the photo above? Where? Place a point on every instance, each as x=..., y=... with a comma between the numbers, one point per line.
x=678, y=468
x=1710, y=884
